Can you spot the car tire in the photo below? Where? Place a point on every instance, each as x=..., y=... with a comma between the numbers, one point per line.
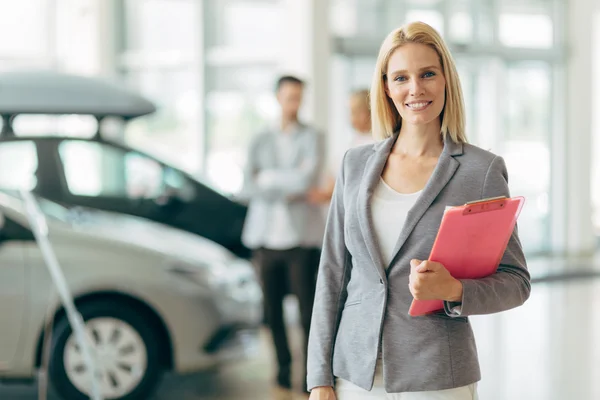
x=137, y=338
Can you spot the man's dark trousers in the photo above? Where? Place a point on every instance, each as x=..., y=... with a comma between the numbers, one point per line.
x=282, y=272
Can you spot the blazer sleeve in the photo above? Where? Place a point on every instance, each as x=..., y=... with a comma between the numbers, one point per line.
x=510, y=286
x=330, y=295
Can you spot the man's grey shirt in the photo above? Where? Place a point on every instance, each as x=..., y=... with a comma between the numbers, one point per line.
x=274, y=185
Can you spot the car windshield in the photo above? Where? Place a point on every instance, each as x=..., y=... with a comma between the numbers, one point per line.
x=50, y=209
x=55, y=211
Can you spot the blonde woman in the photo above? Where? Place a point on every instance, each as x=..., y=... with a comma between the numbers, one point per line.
x=386, y=209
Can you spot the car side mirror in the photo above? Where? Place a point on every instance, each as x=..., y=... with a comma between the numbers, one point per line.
x=169, y=199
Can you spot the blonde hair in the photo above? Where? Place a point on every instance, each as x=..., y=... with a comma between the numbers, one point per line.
x=385, y=119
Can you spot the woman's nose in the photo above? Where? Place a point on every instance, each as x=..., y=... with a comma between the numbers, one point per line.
x=416, y=88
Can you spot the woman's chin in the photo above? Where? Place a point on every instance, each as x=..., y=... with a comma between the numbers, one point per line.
x=420, y=121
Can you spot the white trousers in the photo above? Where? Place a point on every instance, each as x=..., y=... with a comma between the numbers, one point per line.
x=348, y=391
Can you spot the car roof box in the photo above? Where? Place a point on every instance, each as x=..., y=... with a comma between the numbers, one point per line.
x=49, y=92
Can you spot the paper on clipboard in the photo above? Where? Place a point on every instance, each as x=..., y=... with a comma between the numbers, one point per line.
x=471, y=241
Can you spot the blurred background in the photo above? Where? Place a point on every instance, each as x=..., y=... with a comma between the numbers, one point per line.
x=530, y=72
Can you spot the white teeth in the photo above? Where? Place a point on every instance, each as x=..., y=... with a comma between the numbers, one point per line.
x=417, y=105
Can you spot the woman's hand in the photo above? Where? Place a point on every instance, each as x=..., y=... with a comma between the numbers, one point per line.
x=430, y=280
x=322, y=393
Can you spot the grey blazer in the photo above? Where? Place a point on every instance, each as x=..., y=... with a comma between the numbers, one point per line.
x=291, y=178
x=358, y=301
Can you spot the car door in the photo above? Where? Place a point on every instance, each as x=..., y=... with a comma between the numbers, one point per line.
x=14, y=294
x=101, y=175
x=18, y=167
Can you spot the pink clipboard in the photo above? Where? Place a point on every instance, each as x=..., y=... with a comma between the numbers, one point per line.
x=471, y=242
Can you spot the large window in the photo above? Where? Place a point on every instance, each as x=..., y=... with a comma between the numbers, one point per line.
x=526, y=145
x=161, y=26
x=55, y=34
x=161, y=58
x=200, y=62
x=507, y=56
x=238, y=105
x=24, y=29
x=526, y=24
x=58, y=35
x=173, y=133
x=77, y=44
x=240, y=77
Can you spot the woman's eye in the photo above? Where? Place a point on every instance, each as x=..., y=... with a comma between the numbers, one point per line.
x=400, y=78
x=428, y=74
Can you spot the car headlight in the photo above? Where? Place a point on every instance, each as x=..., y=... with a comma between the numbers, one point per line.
x=210, y=276
x=243, y=284
x=235, y=279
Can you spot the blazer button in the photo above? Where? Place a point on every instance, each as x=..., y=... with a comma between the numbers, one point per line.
x=381, y=281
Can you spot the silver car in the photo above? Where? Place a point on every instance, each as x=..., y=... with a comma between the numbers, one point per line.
x=154, y=298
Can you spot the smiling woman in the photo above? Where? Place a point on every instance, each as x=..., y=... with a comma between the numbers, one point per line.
x=384, y=216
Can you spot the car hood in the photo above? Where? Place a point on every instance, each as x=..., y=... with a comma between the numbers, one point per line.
x=143, y=233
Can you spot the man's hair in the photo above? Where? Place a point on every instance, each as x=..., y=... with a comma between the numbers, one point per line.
x=288, y=79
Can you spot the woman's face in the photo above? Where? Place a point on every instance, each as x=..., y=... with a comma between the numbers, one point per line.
x=416, y=84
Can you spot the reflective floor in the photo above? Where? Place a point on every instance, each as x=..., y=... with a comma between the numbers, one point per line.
x=549, y=349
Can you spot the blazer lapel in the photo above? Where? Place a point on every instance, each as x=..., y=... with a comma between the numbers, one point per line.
x=372, y=173
x=443, y=172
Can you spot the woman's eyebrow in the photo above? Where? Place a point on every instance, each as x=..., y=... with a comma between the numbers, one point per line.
x=403, y=71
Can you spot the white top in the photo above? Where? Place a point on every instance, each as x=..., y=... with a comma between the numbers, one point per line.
x=281, y=234
x=389, y=211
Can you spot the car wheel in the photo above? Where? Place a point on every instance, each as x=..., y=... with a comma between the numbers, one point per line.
x=125, y=349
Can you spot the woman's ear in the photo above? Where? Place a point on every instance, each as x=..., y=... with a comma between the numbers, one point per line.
x=385, y=86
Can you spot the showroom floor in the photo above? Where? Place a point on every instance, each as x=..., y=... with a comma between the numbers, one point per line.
x=545, y=350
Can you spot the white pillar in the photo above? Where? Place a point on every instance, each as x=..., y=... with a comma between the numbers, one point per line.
x=306, y=53
x=596, y=107
x=109, y=30
x=579, y=238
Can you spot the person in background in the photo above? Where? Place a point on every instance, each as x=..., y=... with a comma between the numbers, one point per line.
x=387, y=206
x=282, y=227
x=360, y=119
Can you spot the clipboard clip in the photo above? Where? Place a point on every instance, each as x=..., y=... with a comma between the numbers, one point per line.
x=484, y=205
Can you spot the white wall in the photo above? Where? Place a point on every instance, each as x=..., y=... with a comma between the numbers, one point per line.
x=595, y=77
x=579, y=238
